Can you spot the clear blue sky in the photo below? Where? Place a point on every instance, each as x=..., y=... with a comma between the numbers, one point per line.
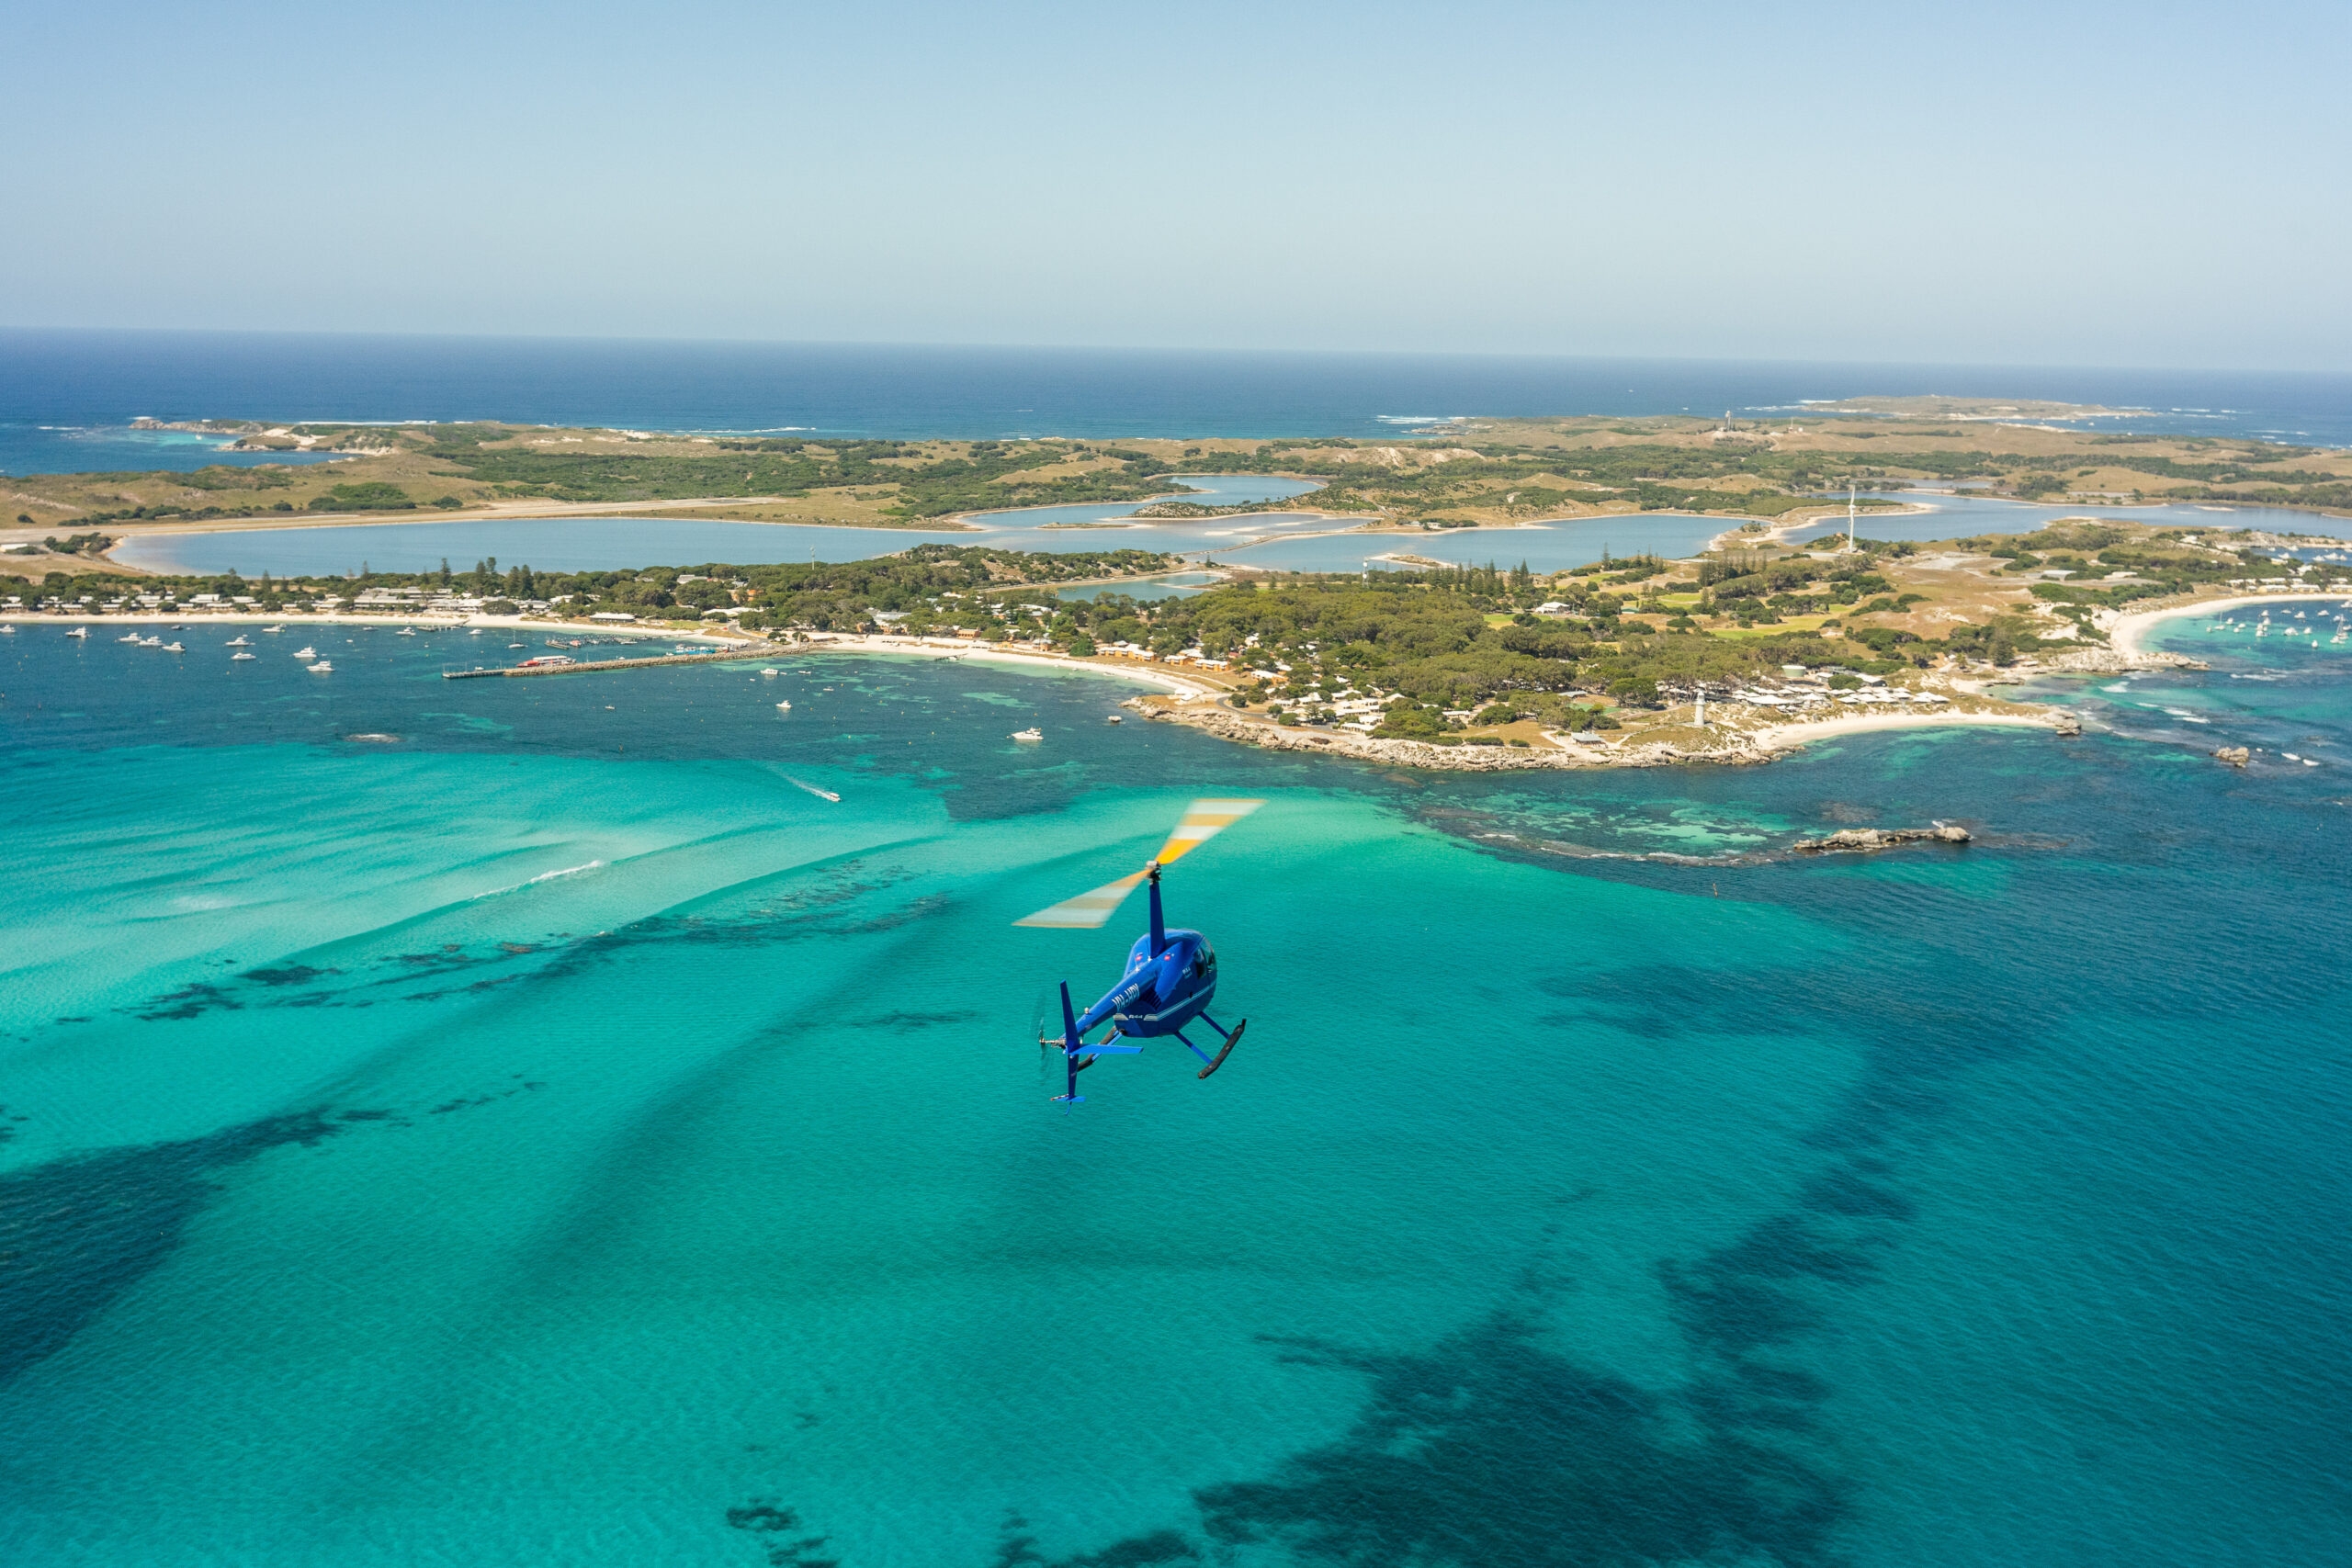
x=2113, y=185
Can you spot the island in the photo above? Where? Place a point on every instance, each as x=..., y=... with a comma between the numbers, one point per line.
x=1470, y=473
x=1737, y=655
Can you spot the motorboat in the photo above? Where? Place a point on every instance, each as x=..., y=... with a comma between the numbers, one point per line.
x=273, y=628
x=306, y=653
x=235, y=657
x=783, y=707
x=79, y=631
x=321, y=668
x=238, y=642
x=173, y=648
x=408, y=631
x=1029, y=735
x=127, y=636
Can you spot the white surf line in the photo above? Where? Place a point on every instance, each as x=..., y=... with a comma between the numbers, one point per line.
x=546, y=876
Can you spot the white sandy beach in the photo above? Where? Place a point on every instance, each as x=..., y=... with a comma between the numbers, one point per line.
x=1782, y=735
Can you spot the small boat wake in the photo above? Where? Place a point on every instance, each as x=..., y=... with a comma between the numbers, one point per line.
x=812, y=789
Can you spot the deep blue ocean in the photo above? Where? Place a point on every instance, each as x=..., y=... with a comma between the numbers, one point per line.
x=553, y=1131
x=67, y=397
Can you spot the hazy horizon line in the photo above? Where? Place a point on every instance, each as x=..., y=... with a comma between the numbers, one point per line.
x=1170, y=350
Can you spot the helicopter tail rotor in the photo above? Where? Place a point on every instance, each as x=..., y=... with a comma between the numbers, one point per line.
x=1069, y=1094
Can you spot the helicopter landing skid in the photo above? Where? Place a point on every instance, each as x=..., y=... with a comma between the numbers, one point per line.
x=1230, y=1041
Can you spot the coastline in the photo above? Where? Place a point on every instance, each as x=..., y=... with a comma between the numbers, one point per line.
x=1782, y=739
x=1755, y=747
x=1185, y=687
x=1192, y=701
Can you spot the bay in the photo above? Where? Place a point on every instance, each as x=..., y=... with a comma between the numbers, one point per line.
x=559, y=1133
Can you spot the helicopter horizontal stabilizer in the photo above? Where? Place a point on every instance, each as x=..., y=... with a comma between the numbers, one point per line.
x=1202, y=820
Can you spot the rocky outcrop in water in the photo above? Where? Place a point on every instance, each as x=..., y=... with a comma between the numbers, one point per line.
x=2235, y=756
x=1860, y=839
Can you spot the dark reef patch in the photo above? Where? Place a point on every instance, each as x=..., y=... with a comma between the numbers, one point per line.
x=764, y=1518
x=1491, y=1449
x=77, y=1234
x=287, y=975
x=190, y=1001
x=1018, y=1549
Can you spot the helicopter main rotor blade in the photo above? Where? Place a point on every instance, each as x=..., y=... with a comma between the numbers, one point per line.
x=1087, y=910
x=1203, y=820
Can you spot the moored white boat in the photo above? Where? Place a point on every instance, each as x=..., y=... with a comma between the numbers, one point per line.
x=321, y=668
x=306, y=652
x=1028, y=734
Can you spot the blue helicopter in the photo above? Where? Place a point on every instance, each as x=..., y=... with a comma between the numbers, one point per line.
x=1171, y=976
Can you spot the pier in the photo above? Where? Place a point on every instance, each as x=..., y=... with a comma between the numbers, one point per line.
x=585, y=666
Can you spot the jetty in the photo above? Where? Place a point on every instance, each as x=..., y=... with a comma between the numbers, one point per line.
x=586, y=666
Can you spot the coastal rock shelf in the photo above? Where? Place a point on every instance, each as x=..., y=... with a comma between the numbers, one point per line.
x=1854, y=841
x=2107, y=661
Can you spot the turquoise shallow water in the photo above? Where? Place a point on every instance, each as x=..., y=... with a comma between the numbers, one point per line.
x=562, y=1135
